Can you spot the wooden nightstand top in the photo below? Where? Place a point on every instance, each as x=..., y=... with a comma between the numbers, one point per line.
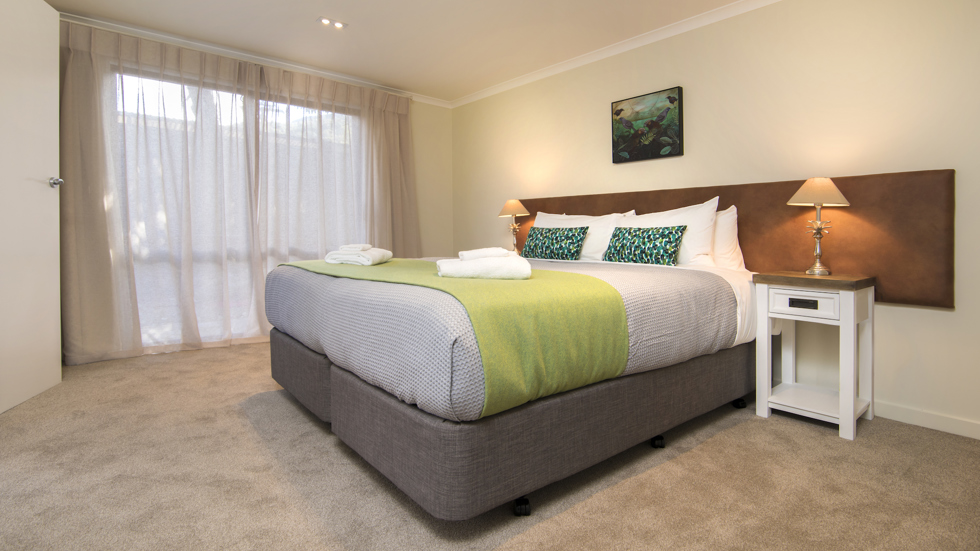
x=800, y=279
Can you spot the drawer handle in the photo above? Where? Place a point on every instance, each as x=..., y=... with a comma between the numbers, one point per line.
x=807, y=303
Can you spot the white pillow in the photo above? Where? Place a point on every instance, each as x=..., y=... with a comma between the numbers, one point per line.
x=553, y=217
x=726, y=252
x=700, y=221
x=596, y=239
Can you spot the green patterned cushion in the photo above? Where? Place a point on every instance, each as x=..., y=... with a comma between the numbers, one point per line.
x=645, y=245
x=554, y=243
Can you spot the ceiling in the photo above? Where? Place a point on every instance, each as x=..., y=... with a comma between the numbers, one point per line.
x=447, y=50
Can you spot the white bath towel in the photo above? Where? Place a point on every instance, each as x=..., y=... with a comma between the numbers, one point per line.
x=489, y=252
x=356, y=247
x=504, y=267
x=369, y=257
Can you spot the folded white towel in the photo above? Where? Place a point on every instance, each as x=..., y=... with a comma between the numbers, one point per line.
x=369, y=257
x=504, y=267
x=356, y=247
x=489, y=252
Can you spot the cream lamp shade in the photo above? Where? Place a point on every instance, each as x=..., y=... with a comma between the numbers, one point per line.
x=818, y=192
x=513, y=208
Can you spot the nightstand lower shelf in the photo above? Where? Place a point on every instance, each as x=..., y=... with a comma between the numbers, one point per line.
x=811, y=401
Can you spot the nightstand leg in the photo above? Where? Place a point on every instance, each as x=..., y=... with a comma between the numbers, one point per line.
x=866, y=351
x=848, y=361
x=763, y=352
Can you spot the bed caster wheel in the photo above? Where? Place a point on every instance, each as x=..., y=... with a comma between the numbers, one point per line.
x=522, y=507
x=658, y=442
x=739, y=403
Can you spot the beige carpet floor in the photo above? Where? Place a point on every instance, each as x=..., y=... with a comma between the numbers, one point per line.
x=203, y=450
x=788, y=484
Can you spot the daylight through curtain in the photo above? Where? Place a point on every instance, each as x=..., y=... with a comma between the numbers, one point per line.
x=188, y=176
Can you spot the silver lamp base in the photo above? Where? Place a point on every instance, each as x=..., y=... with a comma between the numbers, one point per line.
x=514, y=228
x=818, y=227
x=818, y=269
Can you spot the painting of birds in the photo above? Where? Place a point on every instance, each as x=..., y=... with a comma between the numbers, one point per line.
x=648, y=126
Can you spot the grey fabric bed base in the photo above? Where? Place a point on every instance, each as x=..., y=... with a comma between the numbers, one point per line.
x=303, y=372
x=456, y=471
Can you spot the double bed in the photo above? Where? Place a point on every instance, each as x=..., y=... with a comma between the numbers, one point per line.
x=397, y=369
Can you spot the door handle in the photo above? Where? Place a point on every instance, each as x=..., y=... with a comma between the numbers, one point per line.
x=55, y=182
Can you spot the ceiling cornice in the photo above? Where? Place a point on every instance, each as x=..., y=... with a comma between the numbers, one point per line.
x=689, y=24
x=701, y=20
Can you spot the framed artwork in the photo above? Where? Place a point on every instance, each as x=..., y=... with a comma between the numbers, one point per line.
x=650, y=126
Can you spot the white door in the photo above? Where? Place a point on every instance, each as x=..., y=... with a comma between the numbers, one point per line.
x=30, y=279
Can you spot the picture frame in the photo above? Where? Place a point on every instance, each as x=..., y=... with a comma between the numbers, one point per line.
x=650, y=126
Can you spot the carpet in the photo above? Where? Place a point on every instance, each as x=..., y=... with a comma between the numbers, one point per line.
x=786, y=483
x=203, y=450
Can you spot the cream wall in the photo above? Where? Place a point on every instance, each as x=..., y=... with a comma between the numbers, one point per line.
x=796, y=89
x=432, y=137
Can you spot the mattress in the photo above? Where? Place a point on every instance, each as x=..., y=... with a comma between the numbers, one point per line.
x=418, y=344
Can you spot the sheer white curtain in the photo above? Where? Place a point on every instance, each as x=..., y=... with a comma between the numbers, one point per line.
x=189, y=176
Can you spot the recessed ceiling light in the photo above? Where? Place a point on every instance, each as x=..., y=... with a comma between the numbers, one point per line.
x=330, y=22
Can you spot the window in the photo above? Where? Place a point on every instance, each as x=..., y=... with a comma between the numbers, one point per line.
x=185, y=169
x=194, y=174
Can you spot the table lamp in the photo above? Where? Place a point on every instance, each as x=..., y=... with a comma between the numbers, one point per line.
x=513, y=208
x=818, y=192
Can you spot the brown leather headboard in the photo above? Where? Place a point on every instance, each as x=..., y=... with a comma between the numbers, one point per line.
x=899, y=228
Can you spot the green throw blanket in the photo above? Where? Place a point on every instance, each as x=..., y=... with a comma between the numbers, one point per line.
x=554, y=332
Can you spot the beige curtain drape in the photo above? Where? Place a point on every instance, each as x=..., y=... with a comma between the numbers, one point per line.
x=188, y=176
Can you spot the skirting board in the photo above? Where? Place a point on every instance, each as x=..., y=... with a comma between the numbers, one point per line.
x=928, y=419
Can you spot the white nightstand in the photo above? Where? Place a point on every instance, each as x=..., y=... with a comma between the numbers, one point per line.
x=845, y=301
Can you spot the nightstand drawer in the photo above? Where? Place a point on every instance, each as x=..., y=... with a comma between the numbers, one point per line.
x=807, y=304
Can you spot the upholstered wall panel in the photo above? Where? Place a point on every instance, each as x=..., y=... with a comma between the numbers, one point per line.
x=899, y=228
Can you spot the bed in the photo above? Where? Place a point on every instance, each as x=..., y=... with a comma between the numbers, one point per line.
x=456, y=464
